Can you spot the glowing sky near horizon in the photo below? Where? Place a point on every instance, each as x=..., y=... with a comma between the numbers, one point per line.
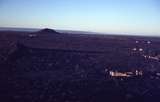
x=109, y=16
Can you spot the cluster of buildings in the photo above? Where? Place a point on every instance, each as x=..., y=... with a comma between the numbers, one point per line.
x=140, y=49
x=152, y=57
x=147, y=42
x=125, y=74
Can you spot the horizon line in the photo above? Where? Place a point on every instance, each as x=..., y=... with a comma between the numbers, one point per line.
x=9, y=28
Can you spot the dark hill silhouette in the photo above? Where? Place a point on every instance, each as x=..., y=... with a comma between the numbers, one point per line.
x=47, y=31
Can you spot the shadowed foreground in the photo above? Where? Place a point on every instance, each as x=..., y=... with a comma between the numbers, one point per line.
x=30, y=73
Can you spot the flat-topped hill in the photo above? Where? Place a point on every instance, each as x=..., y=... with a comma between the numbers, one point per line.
x=47, y=31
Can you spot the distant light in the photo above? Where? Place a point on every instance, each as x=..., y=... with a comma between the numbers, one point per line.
x=130, y=73
x=32, y=35
x=139, y=73
x=148, y=42
x=140, y=49
x=106, y=70
x=158, y=74
x=136, y=72
x=145, y=56
x=134, y=49
x=137, y=41
x=111, y=73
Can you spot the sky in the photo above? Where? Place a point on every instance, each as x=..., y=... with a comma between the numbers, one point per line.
x=140, y=17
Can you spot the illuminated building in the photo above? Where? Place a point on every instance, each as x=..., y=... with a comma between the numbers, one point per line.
x=125, y=74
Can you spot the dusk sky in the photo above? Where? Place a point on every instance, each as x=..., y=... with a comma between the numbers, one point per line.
x=109, y=16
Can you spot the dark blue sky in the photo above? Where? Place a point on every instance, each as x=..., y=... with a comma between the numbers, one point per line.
x=110, y=16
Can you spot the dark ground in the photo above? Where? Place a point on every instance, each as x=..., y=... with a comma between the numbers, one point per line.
x=47, y=66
